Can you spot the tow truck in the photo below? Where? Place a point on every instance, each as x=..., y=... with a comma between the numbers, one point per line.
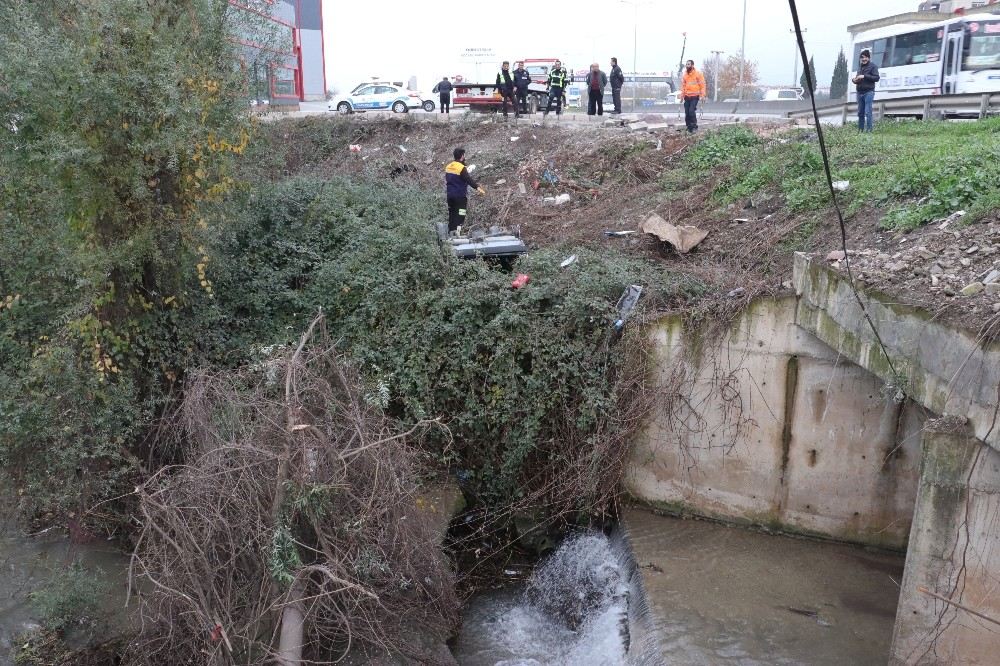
x=484, y=97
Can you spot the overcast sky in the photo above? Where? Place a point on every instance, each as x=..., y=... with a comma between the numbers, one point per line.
x=396, y=39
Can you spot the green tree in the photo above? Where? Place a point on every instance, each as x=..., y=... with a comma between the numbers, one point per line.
x=804, y=80
x=118, y=123
x=838, y=84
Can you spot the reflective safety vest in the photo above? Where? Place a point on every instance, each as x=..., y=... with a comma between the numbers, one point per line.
x=557, y=78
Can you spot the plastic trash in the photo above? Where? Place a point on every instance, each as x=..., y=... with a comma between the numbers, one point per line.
x=471, y=168
x=521, y=188
x=354, y=148
x=403, y=148
x=626, y=304
x=616, y=234
x=521, y=280
x=561, y=199
x=514, y=139
x=841, y=185
x=568, y=262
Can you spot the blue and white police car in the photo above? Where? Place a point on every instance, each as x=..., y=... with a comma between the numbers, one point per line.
x=378, y=96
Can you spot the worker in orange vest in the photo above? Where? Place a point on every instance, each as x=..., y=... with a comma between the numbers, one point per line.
x=692, y=89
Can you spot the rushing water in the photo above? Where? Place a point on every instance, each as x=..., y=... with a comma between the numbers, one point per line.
x=573, y=610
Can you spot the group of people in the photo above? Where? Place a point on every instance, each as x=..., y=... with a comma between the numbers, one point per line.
x=513, y=87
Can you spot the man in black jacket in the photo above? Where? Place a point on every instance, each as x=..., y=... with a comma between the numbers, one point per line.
x=617, y=81
x=457, y=183
x=444, y=88
x=865, y=80
x=505, y=86
x=522, y=79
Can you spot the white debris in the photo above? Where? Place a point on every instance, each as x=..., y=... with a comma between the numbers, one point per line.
x=568, y=262
x=841, y=185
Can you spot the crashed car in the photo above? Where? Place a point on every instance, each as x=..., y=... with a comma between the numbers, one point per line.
x=495, y=243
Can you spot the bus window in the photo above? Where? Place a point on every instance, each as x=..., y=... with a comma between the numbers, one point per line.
x=982, y=46
x=881, y=50
x=917, y=47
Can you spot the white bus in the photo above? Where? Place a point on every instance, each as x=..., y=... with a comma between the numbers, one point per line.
x=954, y=56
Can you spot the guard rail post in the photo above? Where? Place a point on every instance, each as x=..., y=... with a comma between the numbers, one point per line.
x=927, y=109
x=984, y=106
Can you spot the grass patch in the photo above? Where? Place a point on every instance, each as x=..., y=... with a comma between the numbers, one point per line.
x=917, y=171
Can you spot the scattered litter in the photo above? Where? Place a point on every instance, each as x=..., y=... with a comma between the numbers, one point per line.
x=741, y=220
x=735, y=293
x=992, y=277
x=403, y=148
x=521, y=188
x=627, y=303
x=561, y=199
x=514, y=139
x=954, y=217
x=511, y=572
x=568, y=262
x=521, y=280
x=533, y=136
x=429, y=160
x=972, y=250
x=549, y=177
x=659, y=144
x=841, y=185
x=683, y=238
x=616, y=234
x=488, y=166
x=354, y=148
x=502, y=181
x=471, y=168
x=486, y=122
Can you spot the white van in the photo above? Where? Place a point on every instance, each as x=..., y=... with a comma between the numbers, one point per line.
x=783, y=95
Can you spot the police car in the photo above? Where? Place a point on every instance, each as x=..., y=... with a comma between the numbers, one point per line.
x=377, y=96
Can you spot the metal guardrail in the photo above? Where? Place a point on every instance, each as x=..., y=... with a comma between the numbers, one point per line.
x=977, y=105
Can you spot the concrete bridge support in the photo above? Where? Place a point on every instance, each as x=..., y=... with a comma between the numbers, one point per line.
x=954, y=553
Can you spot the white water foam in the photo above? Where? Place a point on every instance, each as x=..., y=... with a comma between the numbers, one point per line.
x=572, y=611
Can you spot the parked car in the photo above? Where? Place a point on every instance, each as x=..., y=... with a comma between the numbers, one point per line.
x=783, y=95
x=377, y=96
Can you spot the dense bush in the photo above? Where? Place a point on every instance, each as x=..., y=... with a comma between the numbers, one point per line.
x=518, y=375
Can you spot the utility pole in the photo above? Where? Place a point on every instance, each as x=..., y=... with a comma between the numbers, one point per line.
x=715, y=75
x=635, y=47
x=743, y=52
x=795, y=60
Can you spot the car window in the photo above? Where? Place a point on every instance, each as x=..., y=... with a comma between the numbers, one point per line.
x=367, y=90
x=387, y=90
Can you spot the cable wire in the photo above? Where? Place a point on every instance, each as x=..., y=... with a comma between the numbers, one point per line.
x=833, y=194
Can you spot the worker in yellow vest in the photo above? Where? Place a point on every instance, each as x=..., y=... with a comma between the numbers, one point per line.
x=558, y=78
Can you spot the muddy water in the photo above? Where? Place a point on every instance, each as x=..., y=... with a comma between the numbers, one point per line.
x=710, y=594
x=31, y=564
x=725, y=595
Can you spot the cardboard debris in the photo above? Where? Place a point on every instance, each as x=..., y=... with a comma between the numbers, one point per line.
x=683, y=238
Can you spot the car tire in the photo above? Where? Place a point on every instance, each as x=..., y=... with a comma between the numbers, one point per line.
x=344, y=108
x=428, y=106
x=399, y=107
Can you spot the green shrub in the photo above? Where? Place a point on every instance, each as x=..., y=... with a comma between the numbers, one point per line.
x=71, y=600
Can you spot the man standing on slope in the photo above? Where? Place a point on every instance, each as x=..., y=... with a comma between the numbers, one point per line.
x=865, y=81
x=617, y=81
x=444, y=88
x=596, y=82
x=457, y=183
x=556, y=85
x=692, y=89
x=505, y=86
x=522, y=79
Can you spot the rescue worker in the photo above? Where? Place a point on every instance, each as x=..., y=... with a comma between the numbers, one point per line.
x=444, y=88
x=522, y=79
x=692, y=89
x=617, y=81
x=457, y=183
x=505, y=86
x=596, y=82
x=556, y=85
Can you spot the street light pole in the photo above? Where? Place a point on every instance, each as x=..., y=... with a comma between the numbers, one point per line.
x=715, y=75
x=795, y=60
x=743, y=52
x=635, y=47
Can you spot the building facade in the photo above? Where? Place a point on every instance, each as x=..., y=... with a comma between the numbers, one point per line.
x=951, y=6
x=300, y=72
